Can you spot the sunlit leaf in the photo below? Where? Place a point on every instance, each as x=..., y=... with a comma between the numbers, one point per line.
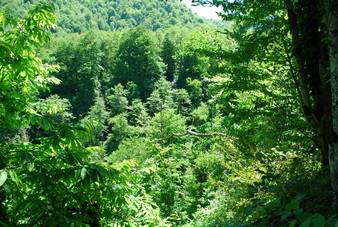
x=83, y=172
x=3, y=176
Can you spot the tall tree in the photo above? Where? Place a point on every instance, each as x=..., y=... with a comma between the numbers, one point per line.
x=167, y=54
x=138, y=61
x=84, y=62
x=312, y=66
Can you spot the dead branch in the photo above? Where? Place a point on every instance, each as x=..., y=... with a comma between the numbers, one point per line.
x=193, y=134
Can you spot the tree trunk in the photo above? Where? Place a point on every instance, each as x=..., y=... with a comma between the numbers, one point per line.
x=332, y=22
x=311, y=53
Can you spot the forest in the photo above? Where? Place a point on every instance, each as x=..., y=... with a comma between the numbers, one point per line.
x=140, y=113
x=79, y=16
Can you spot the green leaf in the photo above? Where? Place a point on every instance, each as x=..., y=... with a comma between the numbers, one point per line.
x=318, y=220
x=306, y=223
x=14, y=177
x=83, y=173
x=3, y=176
x=293, y=223
x=293, y=205
x=286, y=215
x=314, y=220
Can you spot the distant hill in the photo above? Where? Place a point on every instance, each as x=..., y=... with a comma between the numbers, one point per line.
x=78, y=16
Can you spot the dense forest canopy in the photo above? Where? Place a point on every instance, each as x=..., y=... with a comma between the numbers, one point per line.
x=79, y=16
x=139, y=113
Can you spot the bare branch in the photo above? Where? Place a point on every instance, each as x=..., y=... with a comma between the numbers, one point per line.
x=190, y=132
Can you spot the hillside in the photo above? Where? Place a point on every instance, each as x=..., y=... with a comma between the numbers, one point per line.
x=80, y=16
x=168, y=124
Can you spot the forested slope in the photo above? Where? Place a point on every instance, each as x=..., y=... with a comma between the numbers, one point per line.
x=178, y=125
x=80, y=15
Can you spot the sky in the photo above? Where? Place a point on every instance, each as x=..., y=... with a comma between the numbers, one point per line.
x=203, y=11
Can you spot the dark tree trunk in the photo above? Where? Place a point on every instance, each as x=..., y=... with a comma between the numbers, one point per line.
x=311, y=53
x=332, y=23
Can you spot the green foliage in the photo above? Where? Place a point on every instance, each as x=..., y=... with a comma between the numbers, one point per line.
x=200, y=115
x=49, y=112
x=133, y=91
x=141, y=210
x=22, y=74
x=181, y=101
x=80, y=16
x=165, y=97
x=97, y=114
x=57, y=182
x=161, y=98
x=84, y=65
x=117, y=99
x=98, y=111
x=137, y=60
x=120, y=130
x=166, y=122
x=138, y=115
x=109, y=145
x=55, y=108
x=134, y=148
x=194, y=87
x=168, y=51
x=257, y=99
